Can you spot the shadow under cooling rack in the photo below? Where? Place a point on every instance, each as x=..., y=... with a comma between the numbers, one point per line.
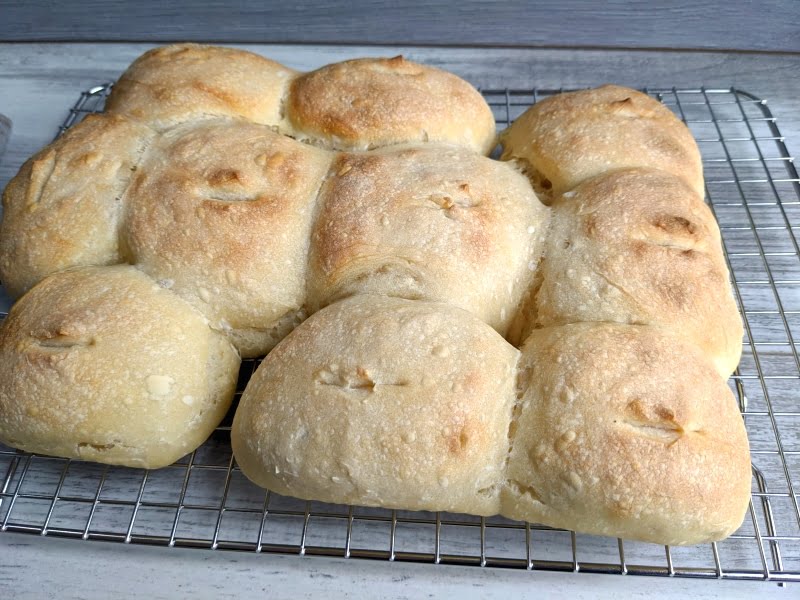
x=204, y=501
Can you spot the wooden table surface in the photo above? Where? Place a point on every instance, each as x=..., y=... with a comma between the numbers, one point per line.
x=38, y=83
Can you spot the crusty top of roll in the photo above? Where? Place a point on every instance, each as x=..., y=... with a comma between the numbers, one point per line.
x=626, y=431
x=64, y=207
x=184, y=82
x=384, y=402
x=370, y=102
x=566, y=139
x=639, y=246
x=427, y=222
x=221, y=212
x=102, y=364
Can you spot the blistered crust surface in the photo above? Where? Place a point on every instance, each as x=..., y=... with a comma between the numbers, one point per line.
x=569, y=138
x=627, y=431
x=416, y=392
x=64, y=208
x=221, y=213
x=367, y=103
x=427, y=223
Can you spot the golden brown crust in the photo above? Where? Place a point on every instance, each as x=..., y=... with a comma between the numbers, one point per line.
x=372, y=102
x=100, y=363
x=221, y=212
x=184, y=82
x=626, y=431
x=569, y=138
x=639, y=246
x=63, y=207
x=428, y=223
x=382, y=402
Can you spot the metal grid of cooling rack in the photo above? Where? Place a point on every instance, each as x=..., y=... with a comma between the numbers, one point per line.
x=204, y=501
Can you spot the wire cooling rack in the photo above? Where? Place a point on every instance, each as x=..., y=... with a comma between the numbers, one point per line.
x=204, y=501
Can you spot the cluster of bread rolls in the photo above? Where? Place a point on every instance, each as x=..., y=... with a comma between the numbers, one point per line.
x=471, y=346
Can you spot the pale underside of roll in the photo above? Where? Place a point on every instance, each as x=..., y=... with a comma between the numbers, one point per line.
x=238, y=198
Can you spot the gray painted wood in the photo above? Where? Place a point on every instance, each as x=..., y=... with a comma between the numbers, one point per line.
x=711, y=24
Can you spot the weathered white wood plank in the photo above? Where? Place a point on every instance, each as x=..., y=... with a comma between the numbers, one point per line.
x=41, y=568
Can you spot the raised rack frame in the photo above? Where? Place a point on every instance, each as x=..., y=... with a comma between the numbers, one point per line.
x=204, y=501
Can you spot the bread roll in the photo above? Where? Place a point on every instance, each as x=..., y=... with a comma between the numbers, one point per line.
x=186, y=82
x=102, y=364
x=221, y=213
x=626, y=431
x=427, y=223
x=372, y=102
x=639, y=246
x=569, y=138
x=382, y=402
x=63, y=208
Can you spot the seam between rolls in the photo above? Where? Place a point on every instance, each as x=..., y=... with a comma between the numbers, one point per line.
x=315, y=212
x=123, y=210
x=529, y=301
x=513, y=426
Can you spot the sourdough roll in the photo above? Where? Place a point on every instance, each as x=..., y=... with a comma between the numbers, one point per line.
x=63, y=208
x=626, y=431
x=427, y=222
x=569, y=138
x=382, y=402
x=639, y=246
x=220, y=213
x=185, y=82
x=371, y=102
x=102, y=364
